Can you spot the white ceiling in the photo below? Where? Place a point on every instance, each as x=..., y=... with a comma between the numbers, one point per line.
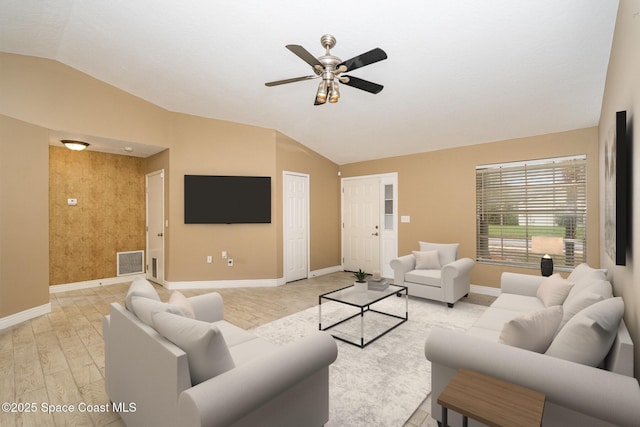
x=458, y=72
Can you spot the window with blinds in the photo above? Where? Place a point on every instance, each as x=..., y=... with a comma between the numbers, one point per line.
x=528, y=209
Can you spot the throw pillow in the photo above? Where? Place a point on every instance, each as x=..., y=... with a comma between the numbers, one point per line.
x=588, y=336
x=142, y=288
x=553, y=290
x=597, y=291
x=532, y=331
x=203, y=343
x=178, y=299
x=583, y=270
x=447, y=252
x=589, y=281
x=427, y=260
x=144, y=308
x=576, y=305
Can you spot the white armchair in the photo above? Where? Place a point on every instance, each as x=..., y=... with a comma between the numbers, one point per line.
x=434, y=272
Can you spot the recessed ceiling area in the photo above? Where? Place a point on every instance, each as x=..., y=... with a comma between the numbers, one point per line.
x=106, y=145
x=458, y=73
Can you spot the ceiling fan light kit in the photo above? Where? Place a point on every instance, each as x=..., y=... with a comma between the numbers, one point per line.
x=329, y=67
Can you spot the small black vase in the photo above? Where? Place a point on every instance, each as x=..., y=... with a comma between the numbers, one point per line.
x=546, y=266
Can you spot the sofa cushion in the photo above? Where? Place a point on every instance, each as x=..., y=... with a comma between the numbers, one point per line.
x=233, y=335
x=178, y=300
x=553, y=290
x=144, y=308
x=598, y=291
x=142, y=288
x=424, y=277
x=495, y=318
x=447, y=252
x=532, y=331
x=203, y=343
x=515, y=302
x=484, y=333
x=427, y=260
x=250, y=350
x=588, y=336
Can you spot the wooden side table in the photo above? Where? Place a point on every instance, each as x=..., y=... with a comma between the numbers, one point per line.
x=491, y=401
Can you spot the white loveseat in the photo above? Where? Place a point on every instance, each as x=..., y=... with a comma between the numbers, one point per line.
x=586, y=372
x=434, y=272
x=255, y=382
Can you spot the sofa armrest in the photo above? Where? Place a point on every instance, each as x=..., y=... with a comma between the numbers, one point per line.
x=457, y=268
x=208, y=307
x=401, y=266
x=520, y=284
x=595, y=392
x=224, y=399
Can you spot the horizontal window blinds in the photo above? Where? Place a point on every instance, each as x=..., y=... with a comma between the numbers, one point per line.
x=528, y=209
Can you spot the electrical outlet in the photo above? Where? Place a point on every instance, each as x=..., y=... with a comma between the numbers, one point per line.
x=209, y=259
x=230, y=262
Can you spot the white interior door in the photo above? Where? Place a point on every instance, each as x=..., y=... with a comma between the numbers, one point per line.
x=295, y=226
x=155, y=227
x=361, y=224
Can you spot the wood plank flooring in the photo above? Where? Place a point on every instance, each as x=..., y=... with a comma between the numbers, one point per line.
x=58, y=358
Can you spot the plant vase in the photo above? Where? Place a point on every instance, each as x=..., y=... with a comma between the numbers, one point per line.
x=361, y=286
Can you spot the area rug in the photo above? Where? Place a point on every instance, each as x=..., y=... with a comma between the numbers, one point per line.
x=384, y=383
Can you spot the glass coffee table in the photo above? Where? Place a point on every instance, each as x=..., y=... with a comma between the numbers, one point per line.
x=364, y=300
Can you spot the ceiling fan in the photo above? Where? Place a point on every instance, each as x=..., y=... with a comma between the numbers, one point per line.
x=330, y=68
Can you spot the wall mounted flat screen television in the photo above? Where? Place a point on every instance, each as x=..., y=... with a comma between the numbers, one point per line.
x=214, y=199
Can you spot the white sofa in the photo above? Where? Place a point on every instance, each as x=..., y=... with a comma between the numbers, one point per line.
x=582, y=392
x=150, y=378
x=434, y=272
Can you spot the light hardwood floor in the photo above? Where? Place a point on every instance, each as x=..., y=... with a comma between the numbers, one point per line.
x=58, y=358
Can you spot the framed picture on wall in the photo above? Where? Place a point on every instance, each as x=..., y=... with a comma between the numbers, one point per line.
x=616, y=181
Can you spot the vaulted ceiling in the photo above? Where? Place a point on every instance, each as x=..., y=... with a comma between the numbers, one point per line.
x=458, y=72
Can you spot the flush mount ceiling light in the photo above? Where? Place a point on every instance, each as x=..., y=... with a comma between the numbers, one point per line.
x=329, y=68
x=75, y=145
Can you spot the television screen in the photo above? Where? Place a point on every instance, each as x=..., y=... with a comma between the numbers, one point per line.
x=227, y=199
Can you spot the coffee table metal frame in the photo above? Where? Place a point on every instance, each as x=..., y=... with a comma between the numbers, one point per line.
x=358, y=299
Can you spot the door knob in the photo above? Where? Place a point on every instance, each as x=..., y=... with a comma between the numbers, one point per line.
x=160, y=234
x=374, y=234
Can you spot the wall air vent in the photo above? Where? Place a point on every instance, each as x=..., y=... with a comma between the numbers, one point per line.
x=131, y=262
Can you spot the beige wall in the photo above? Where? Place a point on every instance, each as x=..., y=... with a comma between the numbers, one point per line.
x=24, y=220
x=213, y=147
x=622, y=92
x=324, y=200
x=57, y=97
x=109, y=216
x=437, y=190
x=39, y=95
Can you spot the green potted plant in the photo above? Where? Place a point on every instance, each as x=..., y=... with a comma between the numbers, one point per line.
x=361, y=280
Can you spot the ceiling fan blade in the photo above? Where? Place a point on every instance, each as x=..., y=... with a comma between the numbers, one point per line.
x=361, y=84
x=366, y=58
x=285, y=81
x=304, y=54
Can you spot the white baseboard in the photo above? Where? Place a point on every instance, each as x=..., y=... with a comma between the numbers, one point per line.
x=25, y=315
x=252, y=283
x=485, y=290
x=213, y=284
x=93, y=283
x=323, y=271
